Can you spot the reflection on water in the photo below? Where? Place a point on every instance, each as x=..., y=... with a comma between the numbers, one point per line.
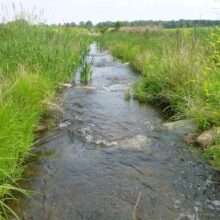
x=109, y=158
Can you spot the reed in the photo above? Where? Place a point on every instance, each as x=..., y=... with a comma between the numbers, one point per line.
x=34, y=60
x=85, y=69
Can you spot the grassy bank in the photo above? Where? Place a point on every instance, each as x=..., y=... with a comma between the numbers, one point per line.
x=179, y=70
x=33, y=60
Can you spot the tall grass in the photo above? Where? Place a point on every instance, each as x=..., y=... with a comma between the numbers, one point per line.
x=179, y=70
x=33, y=61
x=211, y=91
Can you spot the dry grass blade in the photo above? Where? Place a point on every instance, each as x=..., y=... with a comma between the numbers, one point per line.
x=135, y=207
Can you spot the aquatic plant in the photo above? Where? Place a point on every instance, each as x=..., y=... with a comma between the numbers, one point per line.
x=85, y=69
x=128, y=95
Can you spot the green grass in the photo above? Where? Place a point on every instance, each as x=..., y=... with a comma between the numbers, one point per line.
x=33, y=61
x=180, y=69
x=85, y=68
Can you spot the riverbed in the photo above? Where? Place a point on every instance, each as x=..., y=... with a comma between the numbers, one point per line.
x=109, y=159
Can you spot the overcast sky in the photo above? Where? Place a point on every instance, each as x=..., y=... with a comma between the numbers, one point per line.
x=59, y=11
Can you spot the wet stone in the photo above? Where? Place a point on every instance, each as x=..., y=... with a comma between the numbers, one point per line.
x=138, y=142
x=86, y=88
x=116, y=87
x=182, y=127
x=207, y=138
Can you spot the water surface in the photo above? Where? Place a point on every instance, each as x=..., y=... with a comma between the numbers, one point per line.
x=109, y=159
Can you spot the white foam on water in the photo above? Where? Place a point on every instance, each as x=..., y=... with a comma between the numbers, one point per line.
x=90, y=138
x=216, y=202
x=177, y=204
x=105, y=143
x=189, y=216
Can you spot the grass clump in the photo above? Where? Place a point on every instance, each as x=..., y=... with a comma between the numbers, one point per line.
x=180, y=70
x=33, y=61
x=128, y=95
x=211, y=90
x=85, y=69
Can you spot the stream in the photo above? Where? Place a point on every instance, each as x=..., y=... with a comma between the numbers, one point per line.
x=109, y=159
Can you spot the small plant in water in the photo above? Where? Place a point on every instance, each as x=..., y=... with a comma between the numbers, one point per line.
x=85, y=69
x=128, y=95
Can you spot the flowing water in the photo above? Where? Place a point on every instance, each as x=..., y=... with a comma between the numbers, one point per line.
x=110, y=159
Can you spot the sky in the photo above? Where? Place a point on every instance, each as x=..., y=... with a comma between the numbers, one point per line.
x=62, y=11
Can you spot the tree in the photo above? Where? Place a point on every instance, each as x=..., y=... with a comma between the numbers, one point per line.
x=81, y=24
x=73, y=24
x=88, y=24
x=118, y=24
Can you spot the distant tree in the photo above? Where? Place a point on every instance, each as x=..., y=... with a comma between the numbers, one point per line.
x=42, y=24
x=73, y=24
x=118, y=24
x=166, y=24
x=88, y=24
x=81, y=24
x=66, y=24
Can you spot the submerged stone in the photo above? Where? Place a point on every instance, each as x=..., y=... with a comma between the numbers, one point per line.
x=116, y=87
x=138, y=142
x=88, y=88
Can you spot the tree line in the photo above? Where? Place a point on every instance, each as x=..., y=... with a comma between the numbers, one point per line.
x=164, y=24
